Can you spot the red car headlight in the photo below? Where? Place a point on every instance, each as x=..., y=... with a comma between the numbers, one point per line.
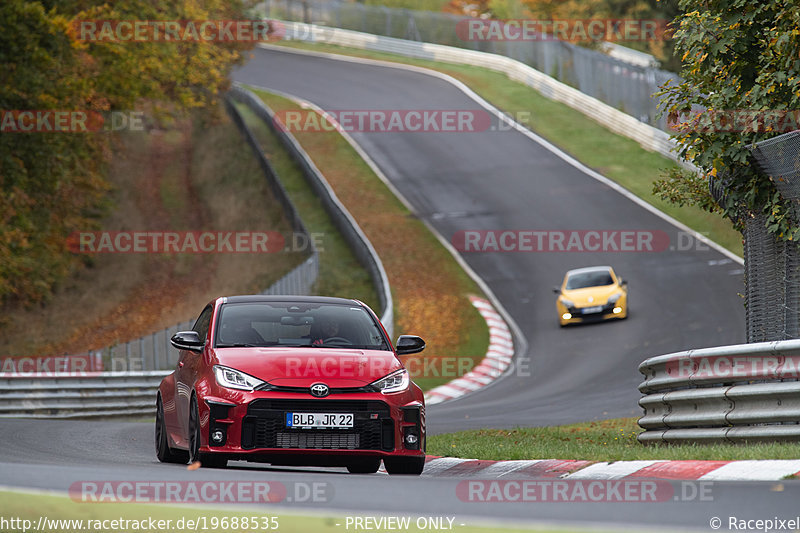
x=395, y=382
x=235, y=379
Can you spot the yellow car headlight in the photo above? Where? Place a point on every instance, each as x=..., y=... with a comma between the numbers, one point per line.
x=614, y=297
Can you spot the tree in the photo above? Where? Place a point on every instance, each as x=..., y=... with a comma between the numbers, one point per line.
x=52, y=184
x=738, y=55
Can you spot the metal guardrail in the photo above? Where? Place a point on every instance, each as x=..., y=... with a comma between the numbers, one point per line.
x=137, y=366
x=341, y=217
x=67, y=395
x=621, y=123
x=154, y=351
x=132, y=392
x=737, y=393
x=618, y=83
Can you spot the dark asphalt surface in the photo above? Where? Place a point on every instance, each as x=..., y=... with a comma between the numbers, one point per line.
x=499, y=180
x=59, y=455
x=473, y=181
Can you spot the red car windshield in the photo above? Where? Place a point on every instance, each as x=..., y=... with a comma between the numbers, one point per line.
x=288, y=324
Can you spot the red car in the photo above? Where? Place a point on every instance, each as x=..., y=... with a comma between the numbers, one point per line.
x=292, y=380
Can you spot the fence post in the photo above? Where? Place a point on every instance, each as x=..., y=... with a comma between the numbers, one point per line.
x=141, y=353
x=155, y=351
x=167, y=346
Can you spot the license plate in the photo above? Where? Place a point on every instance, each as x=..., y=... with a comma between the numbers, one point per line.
x=590, y=310
x=319, y=420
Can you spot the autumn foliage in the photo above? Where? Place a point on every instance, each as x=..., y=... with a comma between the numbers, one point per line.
x=737, y=55
x=53, y=182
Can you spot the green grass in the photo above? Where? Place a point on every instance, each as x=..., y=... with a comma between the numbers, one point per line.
x=616, y=157
x=26, y=506
x=340, y=273
x=607, y=440
x=414, y=5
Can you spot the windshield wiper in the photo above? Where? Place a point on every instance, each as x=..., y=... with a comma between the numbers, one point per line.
x=238, y=345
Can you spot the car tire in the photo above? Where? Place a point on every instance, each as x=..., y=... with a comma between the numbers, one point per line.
x=370, y=465
x=208, y=460
x=164, y=453
x=404, y=466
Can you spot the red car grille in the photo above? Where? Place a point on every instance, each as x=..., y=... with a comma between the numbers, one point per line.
x=264, y=426
x=324, y=441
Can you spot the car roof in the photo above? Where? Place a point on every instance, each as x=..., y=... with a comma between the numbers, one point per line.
x=254, y=298
x=589, y=269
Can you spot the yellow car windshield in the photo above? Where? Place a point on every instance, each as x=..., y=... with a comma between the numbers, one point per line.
x=589, y=279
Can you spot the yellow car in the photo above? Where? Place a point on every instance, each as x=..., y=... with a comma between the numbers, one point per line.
x=591, y=294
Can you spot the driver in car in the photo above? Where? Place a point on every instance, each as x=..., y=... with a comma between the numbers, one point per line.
x=327, y=328
x=239, y=330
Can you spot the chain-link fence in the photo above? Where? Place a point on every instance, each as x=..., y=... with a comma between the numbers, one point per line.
x=774, y=301
x=622, y=85
x=764, y=282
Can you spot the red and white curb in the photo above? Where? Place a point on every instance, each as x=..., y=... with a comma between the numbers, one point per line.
x=497, y=359
x=763, y=470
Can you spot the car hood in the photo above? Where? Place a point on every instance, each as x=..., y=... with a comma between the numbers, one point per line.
x=590, y=296
x=302, y=367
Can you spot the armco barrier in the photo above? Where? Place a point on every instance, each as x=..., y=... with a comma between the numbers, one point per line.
x=133, y=392
x=743, y=392
x=647, y=136
x=154, y=351
x=342, y=218
x=68, y=395
x=620, y=77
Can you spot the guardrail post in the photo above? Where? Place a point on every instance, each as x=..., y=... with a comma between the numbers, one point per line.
x=167, y=346
x=155, y=352
x=141, y=352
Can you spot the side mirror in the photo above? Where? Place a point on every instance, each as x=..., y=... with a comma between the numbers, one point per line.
x=408, y=344
x=557, y=290
x=187, y=340
x=623, y=281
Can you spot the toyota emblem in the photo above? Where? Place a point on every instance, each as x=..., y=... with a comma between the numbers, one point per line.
x=320, y=390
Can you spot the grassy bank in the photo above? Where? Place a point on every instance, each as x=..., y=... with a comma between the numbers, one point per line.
x=616, y=157
x=430, y=290
x=339, y=271
x=606, y=440
x=195, y=174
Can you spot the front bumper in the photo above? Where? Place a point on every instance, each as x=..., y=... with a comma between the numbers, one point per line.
x=579, y=316
x=254, y=427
